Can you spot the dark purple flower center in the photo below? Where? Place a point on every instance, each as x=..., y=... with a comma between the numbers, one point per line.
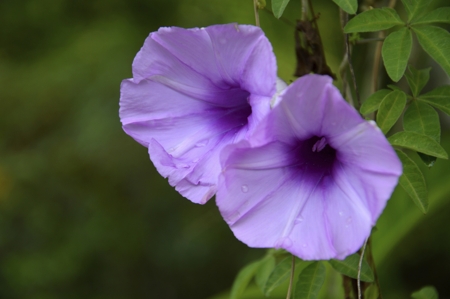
x=236, y=117
x=315, y=157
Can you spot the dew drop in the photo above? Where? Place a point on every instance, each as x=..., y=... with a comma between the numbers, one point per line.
x=304, y=245
x=341, y=213
x=202, y=143
x=298, y=220
x=195, y=160
x=183, y=165
x=284, y=242
x=244, y=188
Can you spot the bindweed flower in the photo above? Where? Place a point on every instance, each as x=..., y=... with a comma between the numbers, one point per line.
x=193, y=92
x=313, y=179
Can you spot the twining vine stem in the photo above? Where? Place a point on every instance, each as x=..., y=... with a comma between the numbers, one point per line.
x=377, y=56
x=291, y=280
x=358, y=281
x=255, y=9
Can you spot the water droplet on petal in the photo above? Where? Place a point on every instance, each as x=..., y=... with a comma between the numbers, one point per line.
x=195, y=160
x=183, y=165
x=233, y=217
x=202, y=143
x=298, y=220
x=341, y=213
x=244, y=188
x=284, y=242
x=304, y=245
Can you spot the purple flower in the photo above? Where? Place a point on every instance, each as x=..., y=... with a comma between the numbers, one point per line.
x=193, y=92
x=313, y=179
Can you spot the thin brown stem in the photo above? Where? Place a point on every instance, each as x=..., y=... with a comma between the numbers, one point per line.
x=291, y=280
x=377, y=56
x=255, y=9
x=359, y=268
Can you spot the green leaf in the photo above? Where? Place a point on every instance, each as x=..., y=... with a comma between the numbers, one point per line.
x=281, y=272
x=413, y=182
x=372, y=103
x=428, y=292
x=390, y=110
x=266, y=267
x=371, y=292
x=415, y=8
x=440, y=15
x=349, y=6
x=373, y=20
x=349, y=267
x=396, y=50
x=394, y=87
x=423, y=119
x=417, y=79
x=418, y=143
x=278, y=7
x=436, y=42
x=439, y=98
x=310, y=281
x=243, y=279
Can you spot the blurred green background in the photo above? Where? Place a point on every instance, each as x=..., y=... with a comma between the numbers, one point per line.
x=84, y=214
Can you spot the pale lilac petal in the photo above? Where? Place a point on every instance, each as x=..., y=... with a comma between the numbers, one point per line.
x=210, y=50
x=193, y=92
x=365, y=147
x=313, y=178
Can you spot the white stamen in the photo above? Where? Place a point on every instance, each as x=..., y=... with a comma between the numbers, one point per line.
x=319, y=145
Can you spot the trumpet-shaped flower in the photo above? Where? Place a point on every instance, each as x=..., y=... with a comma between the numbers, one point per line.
x=193, y=92
x=313, y=179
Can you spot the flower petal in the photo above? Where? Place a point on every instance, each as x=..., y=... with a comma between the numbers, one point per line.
x=312, y=179
x=268, y=204
x=193, y=92
x=231, y=54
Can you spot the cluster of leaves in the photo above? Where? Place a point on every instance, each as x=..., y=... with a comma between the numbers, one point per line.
x=398, y=44
x=278, y=6
x=420, y=123
x=275, y=268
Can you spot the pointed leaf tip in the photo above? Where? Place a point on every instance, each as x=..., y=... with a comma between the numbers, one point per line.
x=310, y=281
x=278, y=7
x=349, y=6
x=413, y=182
x=396, y=51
